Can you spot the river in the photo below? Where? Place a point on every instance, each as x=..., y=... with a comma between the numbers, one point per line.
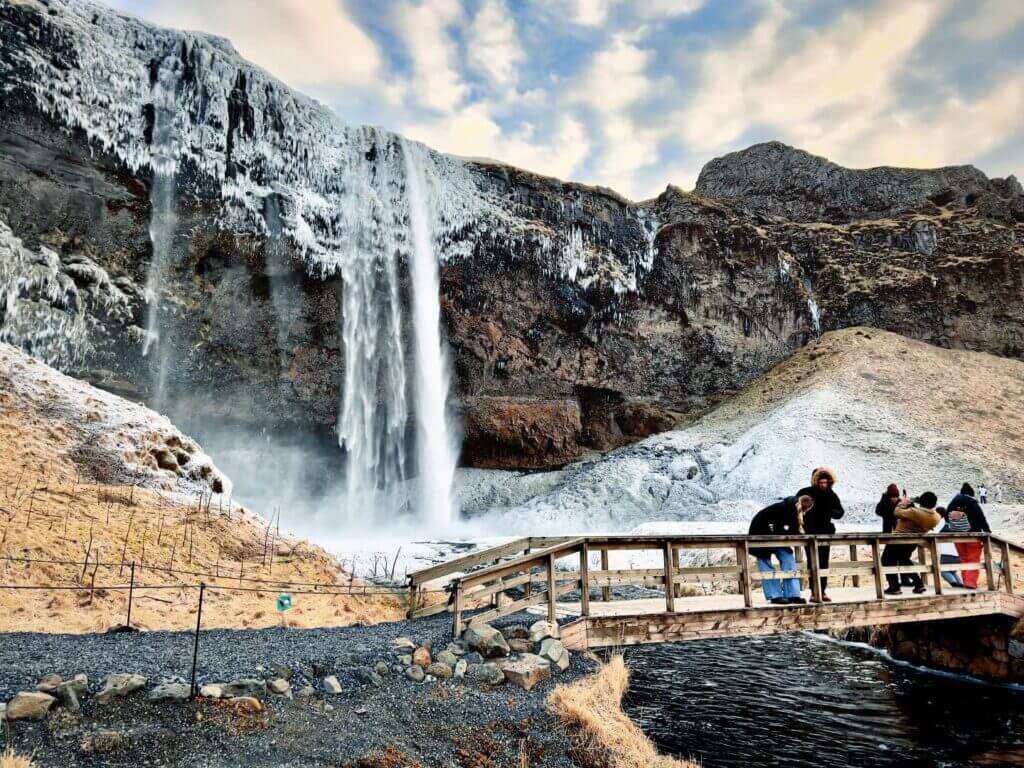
x=798, y=700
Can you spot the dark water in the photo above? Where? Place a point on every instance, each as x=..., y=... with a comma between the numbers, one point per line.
x=801, y=701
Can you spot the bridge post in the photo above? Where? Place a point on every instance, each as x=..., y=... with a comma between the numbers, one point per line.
x=606, y=592
x=457, y=610
x=815, y=571
x=552, y=588
x=990, y=577
x=876, y=556
x=743, y=560
x=853, y=559
x=528, y=589
x=925, y=577
x=670, y=593
x=800, y=555
x=1007, y=566
x=936, y=567
x=585, y=579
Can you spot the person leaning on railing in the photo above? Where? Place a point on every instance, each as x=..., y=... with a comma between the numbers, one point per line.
x=917, y=516
x=970, y=520
x=783, y=518
x=827, y=508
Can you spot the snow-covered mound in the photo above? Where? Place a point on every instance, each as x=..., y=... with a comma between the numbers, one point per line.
x=875, y=406
x=110, y=440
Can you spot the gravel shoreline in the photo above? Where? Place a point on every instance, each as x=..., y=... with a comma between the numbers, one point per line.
x=441, y=723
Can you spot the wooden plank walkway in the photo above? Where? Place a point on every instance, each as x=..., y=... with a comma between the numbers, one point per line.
x=533, y=572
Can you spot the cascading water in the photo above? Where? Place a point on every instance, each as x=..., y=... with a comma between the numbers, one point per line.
x=436, y=452
x=163, y=221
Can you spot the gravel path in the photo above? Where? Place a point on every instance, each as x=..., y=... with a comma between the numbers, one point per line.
x=440, y=724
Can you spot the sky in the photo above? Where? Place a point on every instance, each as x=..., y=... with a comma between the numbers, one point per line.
x=638, y=94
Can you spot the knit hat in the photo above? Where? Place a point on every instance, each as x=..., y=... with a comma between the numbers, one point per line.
x=892, y=490
x=967, y=489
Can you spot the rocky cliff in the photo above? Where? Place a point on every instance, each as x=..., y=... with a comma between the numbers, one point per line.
x=576, y=319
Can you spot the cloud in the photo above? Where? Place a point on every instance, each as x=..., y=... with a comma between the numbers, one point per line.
x=494, y=47
x=303, y=42
x=423, y=28
x=993, y=18
x=593, y=13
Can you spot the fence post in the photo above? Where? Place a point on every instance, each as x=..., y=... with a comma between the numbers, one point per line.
x=877, y=558
x=456, y=609
x=1007, y=567
x=552, y=589
x=131, y=591
x=936, y=565
x=853, y=559
x=812, y=561
x=990, y=577
x=670, y=593
x=925, y=577
x=743, y=558
x=195, y=645
x=585, y=579
x=606, y=592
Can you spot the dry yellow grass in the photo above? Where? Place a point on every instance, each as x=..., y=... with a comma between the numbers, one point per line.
x=8, y=759
x=52, y=508
x=605, y=736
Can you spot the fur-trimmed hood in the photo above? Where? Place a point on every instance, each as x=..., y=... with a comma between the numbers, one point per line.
x=816, y=475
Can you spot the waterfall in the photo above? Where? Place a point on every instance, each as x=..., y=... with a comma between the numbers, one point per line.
x=436, y=452
x=163, y=221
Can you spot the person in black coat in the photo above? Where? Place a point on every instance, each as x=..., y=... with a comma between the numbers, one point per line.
x=818, y=521
x=975, y=514
x=886, y=509
x=780, y=519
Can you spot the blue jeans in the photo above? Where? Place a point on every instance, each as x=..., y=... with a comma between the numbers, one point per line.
x=951, y=576
x=772, y=588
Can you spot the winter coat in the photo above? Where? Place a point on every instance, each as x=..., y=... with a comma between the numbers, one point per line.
x=886, y=510
x=827, y=507
x=778, y=519
x=911, y=519
x=974, y=512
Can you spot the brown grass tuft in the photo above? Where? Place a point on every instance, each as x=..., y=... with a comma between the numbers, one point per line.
x=8, y=759
x=604, y=736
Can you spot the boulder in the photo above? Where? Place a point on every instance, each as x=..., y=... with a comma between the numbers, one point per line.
x=170, y=692
x=519, y=645
x=79, y=684
x=367, y=676
x=306, y=692
x=381, y=668
x=487, y=641
x=541, y=630
x=526, y=671
x=473, y=658
x=439, y=670
x=65, y=691
x=3, y=711
x=485, y=674
x=29, y=705
x=250, y=687
x=516, y=632
x=460, y=669
x=49, y=684
x=415, y=673
x=280, y=686
x=457, y=648
x=212, y=691
x=421, y=656
x=556, y=653
x=119, y=685
x=447, y=657
x=405, y=659
x=249, y=704
x=403, y=645
x=280, y=671
x=331, y=685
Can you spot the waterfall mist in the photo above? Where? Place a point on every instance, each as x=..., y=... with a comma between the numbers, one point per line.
x=436, y=451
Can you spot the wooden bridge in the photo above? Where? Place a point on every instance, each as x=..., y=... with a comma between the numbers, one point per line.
x=571, y=576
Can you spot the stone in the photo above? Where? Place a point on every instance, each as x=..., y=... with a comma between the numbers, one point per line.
x=457, y=648
x=403, y=644
x=279, y=686
x=381, y=668
x=541, y=630
x=247, y=704
x=556, y=653
x=516, y=632
x=49, y=684
x=107, y=740
x=170, y=692
x=245, y=687
x=439, y=670
x=487, y=641
x=212, y=691
x=519, y=645
x=460, y=669
x=29, y=705
x=119, y=685
x=473, y=658
x=526, y=671
x=415, y=673
x=306, y=692
x=79, y=684
x=421, y=657
x=280, y=671
x=3, y=711
x=447, y=657
x=367, y=676
x=331, y=685
x=405, y=659
x=1015, y=648
x=486, y=674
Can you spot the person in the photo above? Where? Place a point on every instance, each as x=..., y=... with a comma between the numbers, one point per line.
x=983, y=494
x=782, y=518
x=918, y=516
x=947, y=550
x=886, y=509
x=969, y=551
x=818, y=521
x=998, y=493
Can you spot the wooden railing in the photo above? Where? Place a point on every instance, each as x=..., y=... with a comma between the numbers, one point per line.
x=538, y=571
